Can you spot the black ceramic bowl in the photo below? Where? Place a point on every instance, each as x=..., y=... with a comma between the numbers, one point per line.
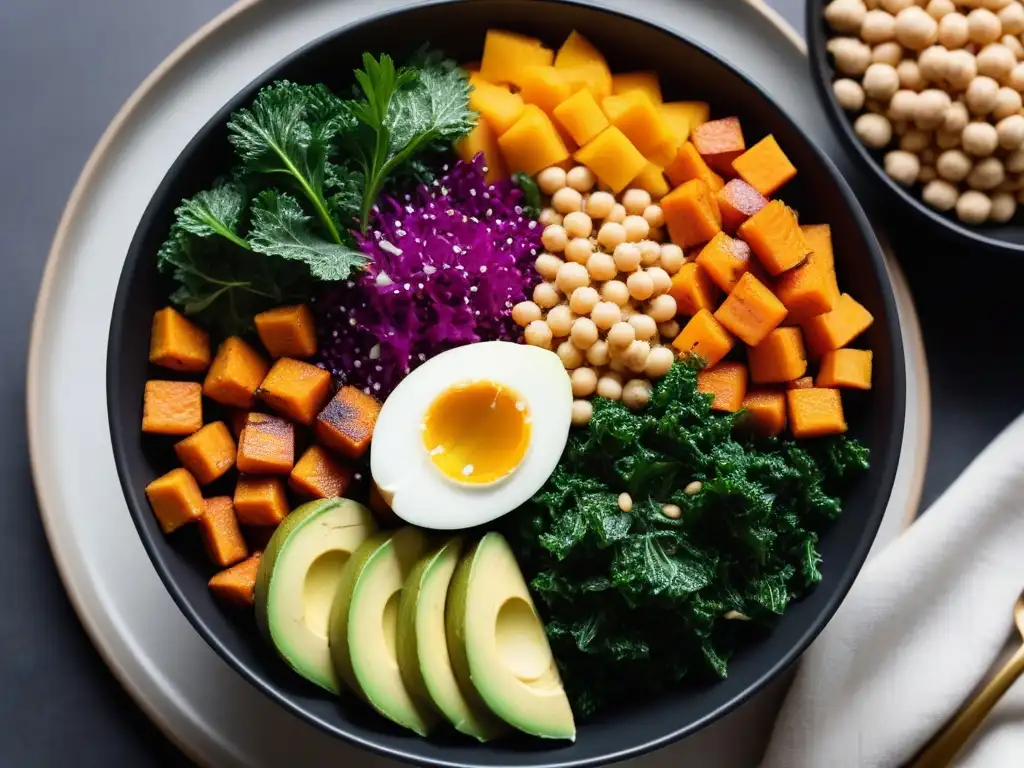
x=687, y=71
x=1007, y=238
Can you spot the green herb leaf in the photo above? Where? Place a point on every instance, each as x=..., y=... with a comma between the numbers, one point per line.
x=214, y=212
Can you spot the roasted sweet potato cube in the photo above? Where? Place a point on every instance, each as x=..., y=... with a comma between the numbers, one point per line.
x=613, y=158
x=837, y=328
x=507, y=55
x=260, y=500
x=689, y=165
x=267, y=446
x=545, y=86
x=222, y=538
x=725, y=260
x=237, y=584
x=208, y=453
x=775, y=236
x=815, y=412
x=172, y=407
x=497, y=105
x=236, y=374
x=849, y=368
x=691, y=214
x=287, y=331
x=764, y=166
x=738, y=201
x=727, y=382
x=719, y=142
x=640, y=119
x=779, y=358
x=751, y=311
x=766, y=411
x=296, y=389
x=175, y=499
x=346, y=423
x=317, y=476
x=811, y=288
x=532, y=143
x=177, y=343
x=704, y=337
x=692, y=289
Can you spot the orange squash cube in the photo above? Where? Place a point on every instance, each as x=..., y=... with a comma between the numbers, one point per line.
x=533, y=143
x=849, y=368
x=172, y=407
x=689, y=165
x=726, y=260
x=267, y=446
x=837, y=328
x=235, y=374
x=588, y=65
x=692, y=289
x=764, y=166
x=175, y=499
x=811, y=288
x=497, y=105
x=751, y=311
x=638, y=81
x=652, y=180
x=296, y=389
x=804, y=382
x=815, y=412
x=719, y=142
x=727, y=382
x=260, y=500
x=508, y=55
x=177, y=343
x=317, y=476
x=691, y=214
x=222, y=538
x=766, y=410
x=483, y=139
x=209, y=453
x=775, y=236
x=704, y=337
x=346, y=423
x=738, y=201
x=237, y=584
x=779, y=358
x=546, y=87
x=287, y=331
x=695, y=113
x=580, y=116
x=612, y=158
x=639, y=119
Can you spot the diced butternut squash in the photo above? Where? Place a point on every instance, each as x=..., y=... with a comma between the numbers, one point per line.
x=546, y=87
x=677, y=121
x=222, y=538
x=613, y=158
x=696, y=113
x=260, y=500
x=287, y=331
x=775, y=236
x=235, y=374
x=689, y=165
x=237, y=584
x=175, y=499
x=849, y=368
x=726, y=260
x=581, y=116
x=508, y=55
x=766, y=410
x=751, y=311
x=692, y=289
x=533, y=143
x=704, y=337
x=497, y=105
x=815, y=412
x=779, y=358
x=727, y=382
x=483, y=139
x=764, y=166
x=172, y=407
x=804, y=382
x=267, y=446
x=177, y=343
x=296, y=389
x=638, y=118
x=837, y=328
x=811, y=289
x=317, y=476
x=719, y=142
x=652, y=180
x=208, y=453
x=346, y=423
x=738, y=201
x=638, y=81
x=691, y=214
x=589, y=65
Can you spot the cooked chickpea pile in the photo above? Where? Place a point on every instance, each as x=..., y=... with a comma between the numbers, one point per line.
x=604, y=305
x=938, y=83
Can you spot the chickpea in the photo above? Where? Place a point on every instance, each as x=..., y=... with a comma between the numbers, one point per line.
x=979, y=139
x=983, y=27
x=538, y=334
x=672, y=511
x=981, y=95
x=560, y=320
x=662, y=282
x=571, y=276
x=946, y=139
x=584, y=382
x=601, y=266
x=627, y=257
x=995, y=5
x=902, y=167
x=852, y=57
x=957, y=117
x=895, y=6
x=1013, y=43
x=606, y=314
x=616, y=292
x=640, y=285
x=1015, y=161
x=849, y=94
x=987, y=174
x=1010, y=131
x=933, y=62
x=887, y=53
x=550, y=180
x=961, y=69
x=693, y=488
x=628, y=311
x=583, y=332
x=845, y=16
x=577, y=225
x=910, y=76
x=669, y=330
x=878, y=27
x=662, y=308
x=954, y=30
x=617, y=215
x=570, y=355
x=581, y=178
x=930, y=110
x=549, y=216
x=901, y=106
x=644, y=326
x=996, y=61
x=1003, y=207
x=672, y=258
x=636, y=228
x=636, y=354
x=621, y=335
x=915, y=29
x=566, y=200
x=881, y=81
x=545, y=295
x=582, y=412
x=547, y=265
x=554, y=238
x=1008, y=102
x=600, y=204
x=609, y=387
x=611, y=235
x=659, y=361
x=578, y=250
x=1011, y=18
x=915, y=140
x=973, y=207
x=940, y=194
x=654, y=216
x=873, y=130
x=635, y=201
x=636, y=393
x=650, y=252
x=1016, y=79
x=937, y=9
x=525, y=312
x=598, y=353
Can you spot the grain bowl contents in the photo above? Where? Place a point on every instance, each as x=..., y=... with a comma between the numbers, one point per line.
x=516, y=355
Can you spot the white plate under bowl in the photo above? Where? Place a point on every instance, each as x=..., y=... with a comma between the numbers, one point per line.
x=189, y=692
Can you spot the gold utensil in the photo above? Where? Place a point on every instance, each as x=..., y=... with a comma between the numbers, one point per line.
x=952, y=738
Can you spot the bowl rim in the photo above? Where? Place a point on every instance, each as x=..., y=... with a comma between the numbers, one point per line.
x=817, y=36
x=843, y=580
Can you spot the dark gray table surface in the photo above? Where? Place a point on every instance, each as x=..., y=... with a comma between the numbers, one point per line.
x=65, y=69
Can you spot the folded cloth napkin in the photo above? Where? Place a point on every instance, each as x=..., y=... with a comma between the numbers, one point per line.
x=921, y=628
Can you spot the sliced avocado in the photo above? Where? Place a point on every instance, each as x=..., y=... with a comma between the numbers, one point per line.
x=498, y=646
x=298, y=578
x=423, y=650
x=364, y=626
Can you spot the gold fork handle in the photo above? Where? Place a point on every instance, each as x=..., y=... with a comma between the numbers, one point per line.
x=940, y=752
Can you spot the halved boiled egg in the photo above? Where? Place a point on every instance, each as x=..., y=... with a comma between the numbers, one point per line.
x=471, y=434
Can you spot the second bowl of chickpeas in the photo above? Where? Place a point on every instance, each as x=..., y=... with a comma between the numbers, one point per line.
x=927, y=97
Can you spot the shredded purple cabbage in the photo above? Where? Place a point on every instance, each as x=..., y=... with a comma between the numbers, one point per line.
x=447, y=265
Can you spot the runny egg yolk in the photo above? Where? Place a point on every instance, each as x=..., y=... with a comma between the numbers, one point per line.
x=477, y=432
